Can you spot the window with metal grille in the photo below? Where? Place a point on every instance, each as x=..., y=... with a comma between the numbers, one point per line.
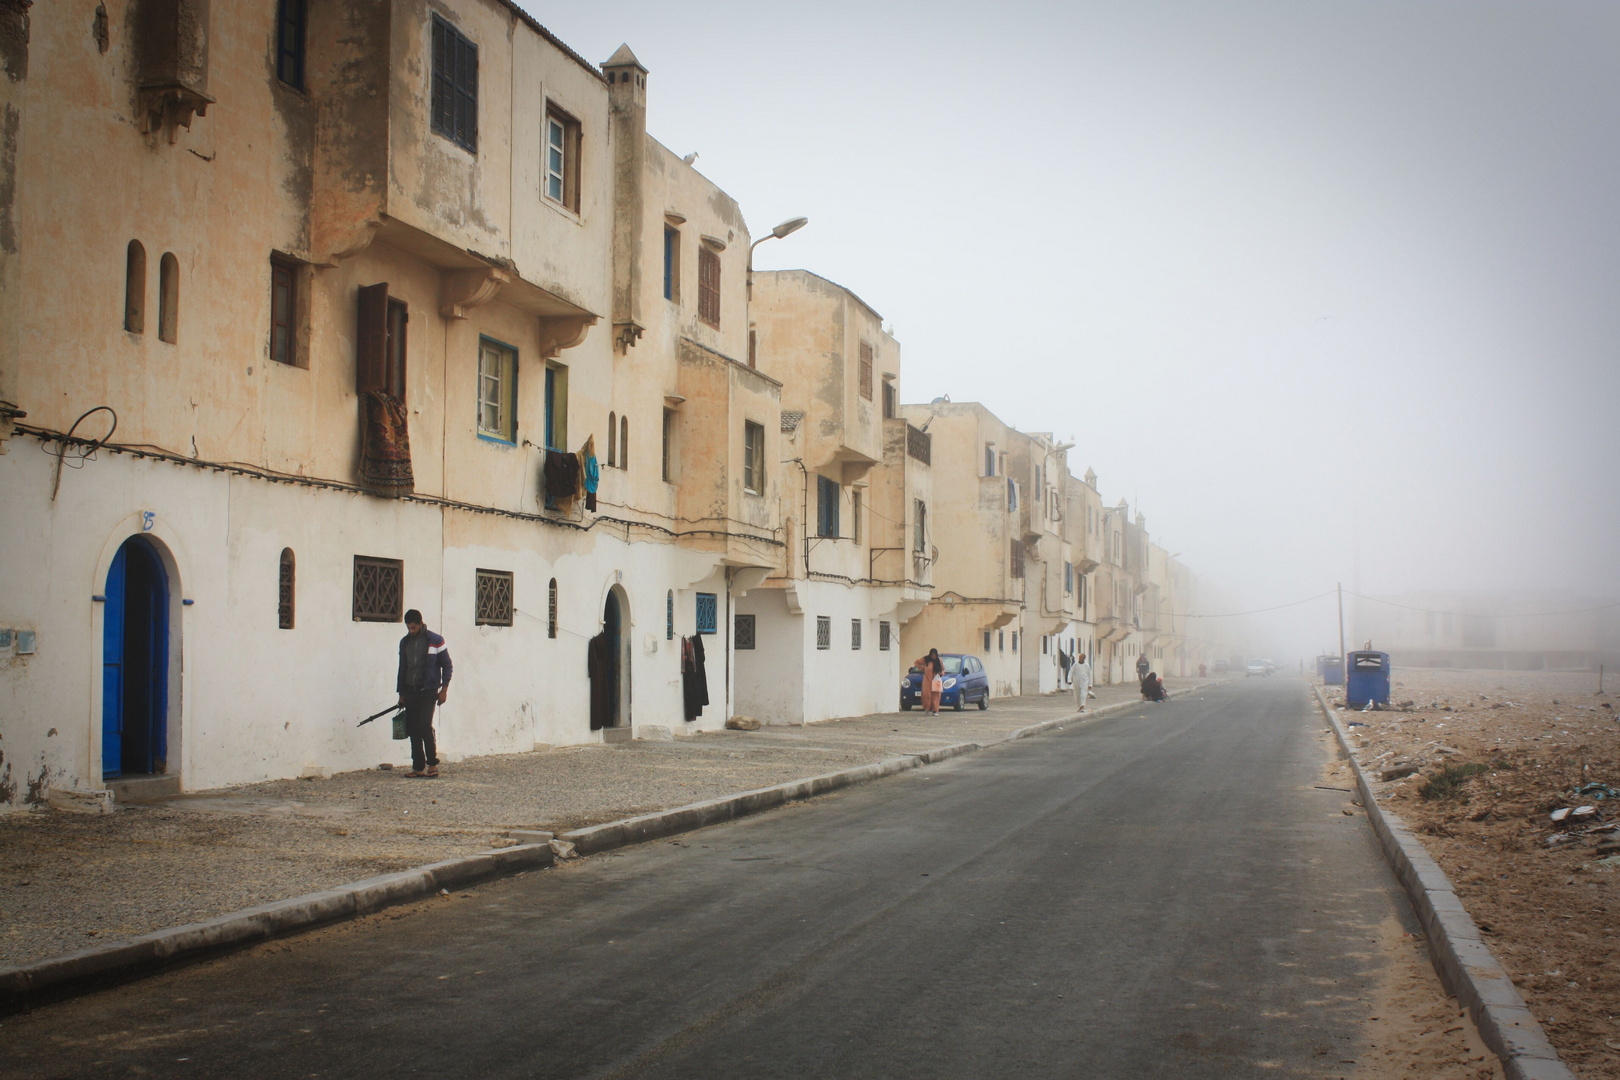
x=987, y=641
x=455, y=86
x=866, y=371
x=494, y=604
x=754, y=457
x=379, y=589
x=885, y=636
x=1017, y=549
x=919, y=538
x=823, y=631
x=290, y=16
x=669, y=446
x=854, y=634
x=919, y=444
x=551, y=609
x=742, y=636
x=826, y=507
x=284, y=607
x=707, y=613
x=669, y=615
x=1015, y=641
x=753, y=349
x=624, y=442
x=709, y=287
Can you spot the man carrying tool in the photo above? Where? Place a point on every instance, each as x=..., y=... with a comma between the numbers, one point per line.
x=424, y=681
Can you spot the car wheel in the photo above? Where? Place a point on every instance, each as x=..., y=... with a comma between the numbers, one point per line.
x=984, y=702
x=961, y=697
x=905, y=706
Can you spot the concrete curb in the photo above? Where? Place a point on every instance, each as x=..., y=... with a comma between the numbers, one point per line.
x=1467, y=967
x=108, y=965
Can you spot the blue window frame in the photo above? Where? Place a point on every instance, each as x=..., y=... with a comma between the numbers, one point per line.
x=706, y=617
x=826, y=507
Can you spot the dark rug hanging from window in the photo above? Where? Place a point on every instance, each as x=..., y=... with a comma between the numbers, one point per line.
x=385, y=445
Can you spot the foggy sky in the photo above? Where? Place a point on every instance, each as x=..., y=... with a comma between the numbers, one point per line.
x=1328, y=289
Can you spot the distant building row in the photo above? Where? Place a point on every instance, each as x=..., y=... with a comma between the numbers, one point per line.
x=400, y=306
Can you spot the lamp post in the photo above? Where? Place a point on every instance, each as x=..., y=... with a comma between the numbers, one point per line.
x=791, y=225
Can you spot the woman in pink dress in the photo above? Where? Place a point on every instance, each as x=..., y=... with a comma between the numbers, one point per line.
x=933, y=680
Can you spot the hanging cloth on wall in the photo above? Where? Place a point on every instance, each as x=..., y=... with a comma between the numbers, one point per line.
x=559, y=476
x=694, y=677
x=385, y=445
x=590, y=473
x=599, y=666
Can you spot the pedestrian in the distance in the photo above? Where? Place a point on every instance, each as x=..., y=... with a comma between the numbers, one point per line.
x=933, y=680
x=1082, y=681
x=1142, y=666
x=424, y=682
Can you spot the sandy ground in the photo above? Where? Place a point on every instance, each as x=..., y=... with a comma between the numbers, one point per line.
x=1544, y=895
x=69, y=881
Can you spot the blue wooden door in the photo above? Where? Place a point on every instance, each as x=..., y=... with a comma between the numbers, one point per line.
x=112, y=670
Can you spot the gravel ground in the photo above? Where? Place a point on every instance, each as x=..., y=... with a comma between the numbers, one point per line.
x=68, y=881
x=1547, y=909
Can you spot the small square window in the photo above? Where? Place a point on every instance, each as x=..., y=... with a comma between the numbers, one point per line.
x=706, y=613
x=854, y=634
x=379, y=589
x=494, y=598
x=743, y=635
x=823, y=632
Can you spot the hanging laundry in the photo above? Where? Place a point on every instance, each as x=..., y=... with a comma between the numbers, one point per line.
x=590, y=471
x=559, y=476
x=694, y=677
x=385, y=446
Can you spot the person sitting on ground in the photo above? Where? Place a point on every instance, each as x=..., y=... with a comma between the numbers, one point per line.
x=1153, y=688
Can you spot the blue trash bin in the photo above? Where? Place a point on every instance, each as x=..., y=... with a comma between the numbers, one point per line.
x=1368, y=679
x=1331, y=669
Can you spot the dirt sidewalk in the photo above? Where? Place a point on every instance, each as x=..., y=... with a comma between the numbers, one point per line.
x=1545, y=895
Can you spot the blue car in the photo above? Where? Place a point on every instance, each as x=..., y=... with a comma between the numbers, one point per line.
x=965, y=684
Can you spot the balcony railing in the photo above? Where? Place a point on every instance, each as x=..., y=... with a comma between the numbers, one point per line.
x=919, y=445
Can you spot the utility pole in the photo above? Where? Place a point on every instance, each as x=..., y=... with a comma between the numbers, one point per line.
x=1343, y=661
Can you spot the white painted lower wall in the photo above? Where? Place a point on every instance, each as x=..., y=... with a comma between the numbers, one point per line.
x=249, y=701
x=786, y=679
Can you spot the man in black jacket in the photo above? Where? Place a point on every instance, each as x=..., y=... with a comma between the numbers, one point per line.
x=423, y=682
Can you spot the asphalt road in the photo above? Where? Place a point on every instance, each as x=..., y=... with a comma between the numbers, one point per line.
x=1163, y=892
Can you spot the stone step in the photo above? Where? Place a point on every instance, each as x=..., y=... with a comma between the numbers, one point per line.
x=134, y=789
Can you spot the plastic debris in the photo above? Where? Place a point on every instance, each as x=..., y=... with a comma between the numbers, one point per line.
x=1597, y=791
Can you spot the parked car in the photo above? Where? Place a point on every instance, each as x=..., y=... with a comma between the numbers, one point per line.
x=965, y=684
x=1256, y=667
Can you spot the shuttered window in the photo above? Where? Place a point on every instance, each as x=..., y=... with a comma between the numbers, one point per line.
x=290, y=16
x=455, y=86
x=826, y=507
x=754, y=457
x=866, y=371
x=1017, y=547
x=709, y=287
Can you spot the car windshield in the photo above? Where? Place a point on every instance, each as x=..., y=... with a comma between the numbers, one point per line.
x=953, y=666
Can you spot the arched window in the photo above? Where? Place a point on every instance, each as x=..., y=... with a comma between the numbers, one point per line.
x=169, y=298
x=624, y=442
x=613, y=425
x=284, y=608
x=551, y=609
x=669, y=615
x=135, y=288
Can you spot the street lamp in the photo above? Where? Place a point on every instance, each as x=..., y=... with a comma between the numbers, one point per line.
x=791, y=225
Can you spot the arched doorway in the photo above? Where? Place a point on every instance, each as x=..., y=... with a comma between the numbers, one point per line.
x=135, y=664
x=612, y=624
